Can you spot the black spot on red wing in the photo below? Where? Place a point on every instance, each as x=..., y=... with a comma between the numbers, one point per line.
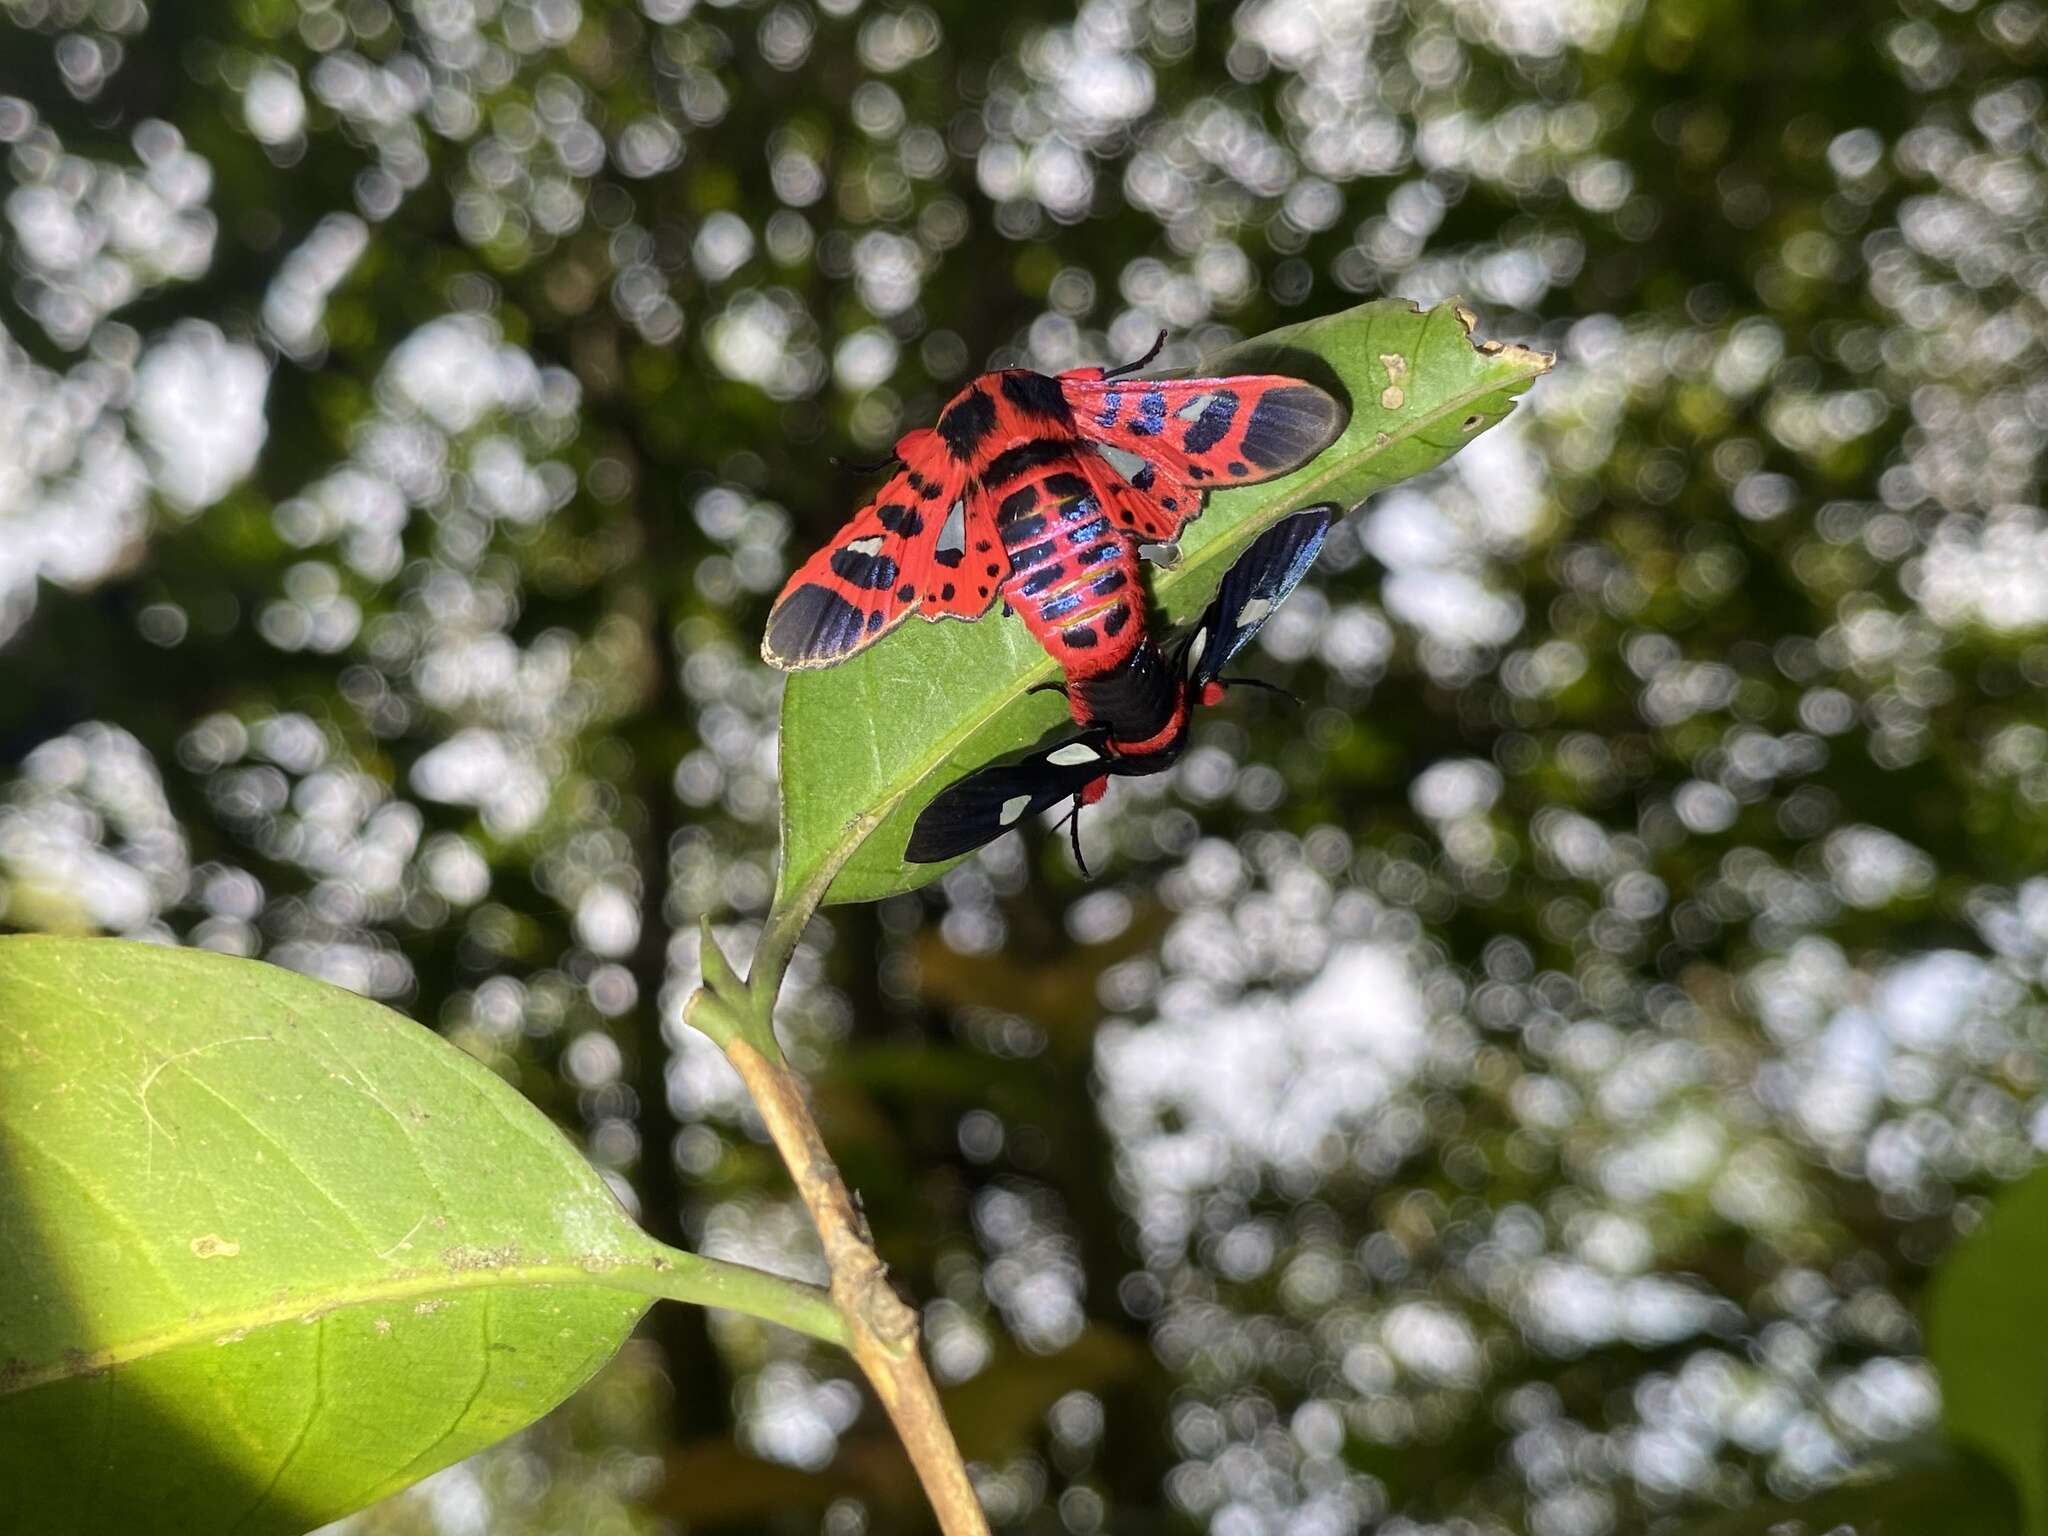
x=1023, y=528
x=981, y=546
x=967, y=422
x=875, y=621
x=1061, y=483
x=1236, y=468
x=946, y=593
x=1013, y=462
x=1289, y=425
x=1036, y=395
x=812, y=622
x=876, y=572
x=1210, y=428
x=992, y=570
x=1081, y=637
x=1196, y=472
x=906, y=594
x=982, y=590
x=950, y=558
x=900, y=520
x=1114, y=620
x=1016, y=504
x=1040, y=579
x=1167, y=502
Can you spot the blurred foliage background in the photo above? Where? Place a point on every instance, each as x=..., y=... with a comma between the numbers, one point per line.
x=1524, y=1090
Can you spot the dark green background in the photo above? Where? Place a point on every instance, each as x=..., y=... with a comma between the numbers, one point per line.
x=1529, y=1085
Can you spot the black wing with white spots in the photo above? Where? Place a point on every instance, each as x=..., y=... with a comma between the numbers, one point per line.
x=1270, y=568
x=990, y=801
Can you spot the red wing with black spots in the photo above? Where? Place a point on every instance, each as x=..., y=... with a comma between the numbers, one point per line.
x=1167, y=441
x=1036, y=490
x=901, y=554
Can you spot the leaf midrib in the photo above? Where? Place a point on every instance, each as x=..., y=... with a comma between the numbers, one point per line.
x=862, y=827
x=410, y=1285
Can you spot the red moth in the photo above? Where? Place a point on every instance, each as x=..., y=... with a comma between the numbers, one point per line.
x=1037, y=490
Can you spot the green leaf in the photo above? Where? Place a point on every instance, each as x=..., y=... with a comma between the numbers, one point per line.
x=1936, y=1489
x=1986, y=1337
x=865, y=745
x=269, y=1251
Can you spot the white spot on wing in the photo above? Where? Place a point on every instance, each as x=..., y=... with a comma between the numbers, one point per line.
x=1013, y=808
x=954, y=534
x=1253, y=612
x=1122, y=460
x=1165, y=555
x=1192, y=411
x=1198, y=645
x=871, y=545
x=1072, y=753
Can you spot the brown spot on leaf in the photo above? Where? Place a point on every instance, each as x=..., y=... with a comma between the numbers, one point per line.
x=1393, y=397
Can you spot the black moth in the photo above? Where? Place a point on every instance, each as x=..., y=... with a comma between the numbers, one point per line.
x=990, y=801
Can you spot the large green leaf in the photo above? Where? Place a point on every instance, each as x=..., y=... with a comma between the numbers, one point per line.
x=1987, y=1339
x=866, y=744
x=269, y=1251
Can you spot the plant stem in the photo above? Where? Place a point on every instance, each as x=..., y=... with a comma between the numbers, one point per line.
x=703, y=1282
x=773, y=950
x=882, y=1330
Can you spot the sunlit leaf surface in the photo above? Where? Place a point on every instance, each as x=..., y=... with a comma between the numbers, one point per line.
x=271, y=1251
x=867, y=743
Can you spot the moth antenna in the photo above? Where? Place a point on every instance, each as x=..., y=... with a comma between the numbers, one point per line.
x=1072, y=822
x=1260, y=683
x=1158, y=342
x=861, y=469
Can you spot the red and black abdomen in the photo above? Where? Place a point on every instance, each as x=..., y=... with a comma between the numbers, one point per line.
x=1073, y=579
x=1073, y=576
x=1075, y=583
